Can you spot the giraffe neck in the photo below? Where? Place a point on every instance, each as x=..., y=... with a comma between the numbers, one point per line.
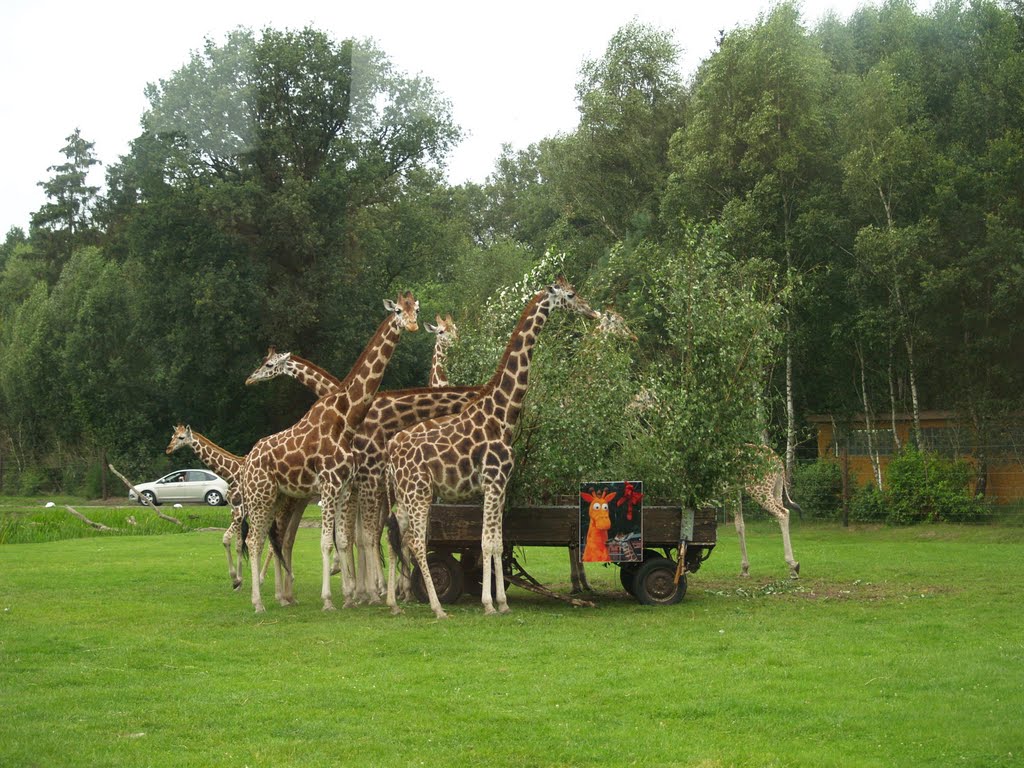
x=438, y=377
x=312, y=376
x=507, y=388
x=222, y=462
x=363, y=380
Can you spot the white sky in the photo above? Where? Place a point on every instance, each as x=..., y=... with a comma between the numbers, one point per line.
x=508, y=69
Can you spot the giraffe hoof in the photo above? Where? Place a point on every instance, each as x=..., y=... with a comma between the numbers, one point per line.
x=794, y=572
x=260, y=609
x=328, y=605
x=504, y=609
x=236, y=584
x=489, y=611
x=441, y=615
x=396, y=611
x=335, y=571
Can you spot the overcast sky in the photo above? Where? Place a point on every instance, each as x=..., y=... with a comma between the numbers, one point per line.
x=509, y=69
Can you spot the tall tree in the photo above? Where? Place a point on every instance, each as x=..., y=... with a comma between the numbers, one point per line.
x=753, y=153
x=64, y=222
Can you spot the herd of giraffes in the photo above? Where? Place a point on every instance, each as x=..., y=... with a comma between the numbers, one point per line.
x=378, y=459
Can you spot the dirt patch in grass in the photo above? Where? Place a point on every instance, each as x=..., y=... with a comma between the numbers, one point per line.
x=805, y=589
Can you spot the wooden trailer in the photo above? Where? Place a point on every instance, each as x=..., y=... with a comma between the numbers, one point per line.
x=676, y=541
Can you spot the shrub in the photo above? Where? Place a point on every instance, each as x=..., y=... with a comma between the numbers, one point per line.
x=818, y=488
x=922, y=486
x=868, y=505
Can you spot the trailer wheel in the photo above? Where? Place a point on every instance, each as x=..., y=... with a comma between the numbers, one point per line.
x=447, y=576
x=654, y=583
x=627, y=571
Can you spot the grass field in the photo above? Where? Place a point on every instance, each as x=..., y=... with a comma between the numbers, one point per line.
x=898, y=647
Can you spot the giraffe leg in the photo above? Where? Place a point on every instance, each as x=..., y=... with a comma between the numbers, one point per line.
x=491, y=545
x=345, y=528
x=419, y=523
x=234, y=574
x=295, y=509
x=328, y=507
x=782, y=515
x=372, y=584
x=741, y=532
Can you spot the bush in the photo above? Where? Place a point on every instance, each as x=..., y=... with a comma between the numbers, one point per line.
x=924, y=487
x=868, y=505
x=818, y=489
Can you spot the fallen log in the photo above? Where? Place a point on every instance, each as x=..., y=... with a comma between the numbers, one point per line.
x=86, y=520
x=143, y=500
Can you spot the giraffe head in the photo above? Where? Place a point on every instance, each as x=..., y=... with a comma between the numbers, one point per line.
x=562, y=294
x=405, y=310
x=613, y=324
x=182, y=436
x=273, y=365
x=600, y=519
x=446, y=330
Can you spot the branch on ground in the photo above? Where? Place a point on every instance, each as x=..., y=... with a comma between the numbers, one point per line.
x=86, y=520
x=142, y=499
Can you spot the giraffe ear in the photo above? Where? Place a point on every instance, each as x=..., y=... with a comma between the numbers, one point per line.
x=431, y=328
x=271, y=350
x=448, y=319
x=389, y=305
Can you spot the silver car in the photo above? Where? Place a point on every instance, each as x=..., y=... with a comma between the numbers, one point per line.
x=185, y=485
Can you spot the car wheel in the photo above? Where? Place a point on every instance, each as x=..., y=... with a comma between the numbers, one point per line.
x=214, y=498
x=151, y=498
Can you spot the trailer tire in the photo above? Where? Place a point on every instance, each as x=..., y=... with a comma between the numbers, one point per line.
x=627, y=571
x=447, y=576
x=654, y=583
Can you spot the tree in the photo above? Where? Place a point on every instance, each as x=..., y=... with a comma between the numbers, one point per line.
x=65, y=222
x=609, y=173
x=753, y=156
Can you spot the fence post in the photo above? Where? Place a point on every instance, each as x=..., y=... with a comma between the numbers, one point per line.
x=844, y=473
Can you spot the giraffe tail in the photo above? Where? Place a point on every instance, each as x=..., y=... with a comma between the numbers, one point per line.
x=275, y=544
x=244, y=533
x=789, y=504
x=395, y=542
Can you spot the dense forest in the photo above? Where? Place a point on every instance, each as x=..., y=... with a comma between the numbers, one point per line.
x=823, y=220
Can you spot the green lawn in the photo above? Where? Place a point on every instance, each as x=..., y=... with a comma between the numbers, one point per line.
x=899, y=647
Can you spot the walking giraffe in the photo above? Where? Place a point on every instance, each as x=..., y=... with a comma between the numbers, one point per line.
x=228, y=466
x=314, y=456
x=469, y=453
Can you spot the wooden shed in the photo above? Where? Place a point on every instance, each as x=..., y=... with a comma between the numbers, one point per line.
x=1001, y=452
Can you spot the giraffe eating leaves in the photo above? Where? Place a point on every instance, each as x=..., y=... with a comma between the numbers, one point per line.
x=470, y=453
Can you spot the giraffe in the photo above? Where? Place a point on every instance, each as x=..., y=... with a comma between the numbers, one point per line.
x=314, y=455
x=389, y=413
x=275, y=364
x=447, y=334
x=765, y=483
x=469, y=453
x=228, y=466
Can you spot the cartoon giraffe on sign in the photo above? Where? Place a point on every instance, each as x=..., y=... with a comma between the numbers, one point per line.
x=314, y=455
x=596, y=548
x=469, y=453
